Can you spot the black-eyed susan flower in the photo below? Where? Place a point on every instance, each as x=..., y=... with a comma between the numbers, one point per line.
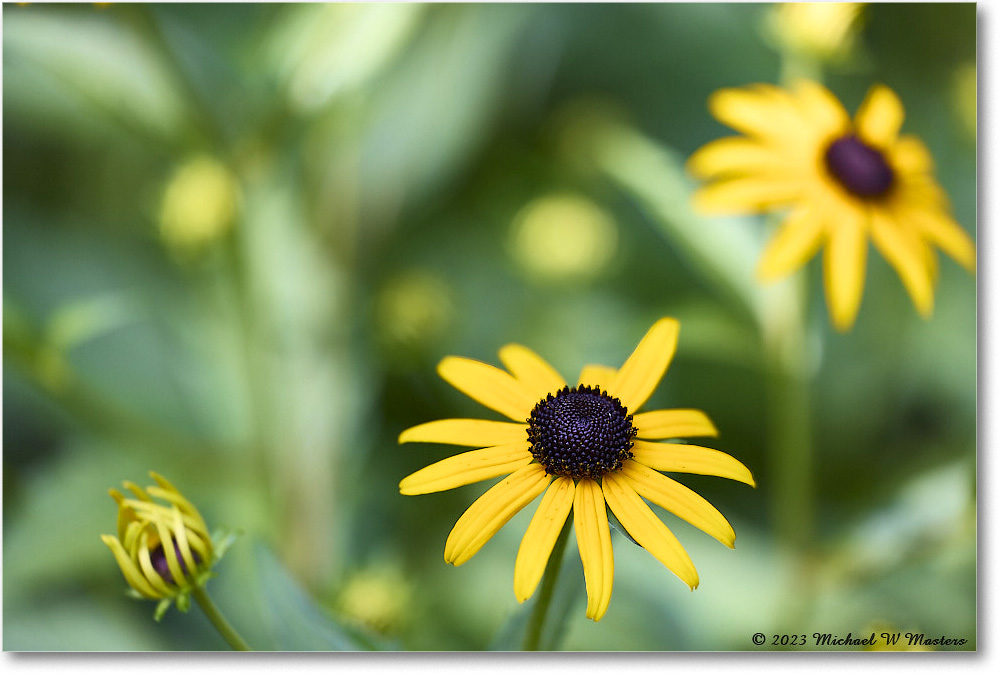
x=583, y=448
x=842, y=182
x=163, y=549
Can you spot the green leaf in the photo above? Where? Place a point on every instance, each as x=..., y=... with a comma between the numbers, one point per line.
x=723, y=251
x=293, y=620
x=69, y=65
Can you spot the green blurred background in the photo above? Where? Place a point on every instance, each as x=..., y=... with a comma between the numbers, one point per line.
x=238, y=238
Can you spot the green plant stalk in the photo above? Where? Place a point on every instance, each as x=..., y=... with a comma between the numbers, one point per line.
x=533, y=634
x=226, y=630
x=788, y=355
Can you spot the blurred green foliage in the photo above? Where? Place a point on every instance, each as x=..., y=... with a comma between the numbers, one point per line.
x=362, y=175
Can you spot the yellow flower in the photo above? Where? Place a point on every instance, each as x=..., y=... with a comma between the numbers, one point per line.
x=164, y=550
x=199, y=205
x=842, y=182
x=824, y=30
x=583, y=447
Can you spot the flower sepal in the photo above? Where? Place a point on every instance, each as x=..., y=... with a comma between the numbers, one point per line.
x=618, y=527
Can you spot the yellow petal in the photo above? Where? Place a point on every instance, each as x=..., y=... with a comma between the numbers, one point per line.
x=541, y=535
x=466, y=468
x=598, y=376
x=163, y=482
x=747, y=194
x=593, y=538
x=492, y=511
x=136, y=490
x=180, y=534
x=735, y=155
x=475, y=433
x=880, y=117
x=537, y=376
x=678, y=499
x=149, y=572
x=908, y=255
x=945, y=233
x=494, y=388
x=759, y=110
x=910, y=155
x=170, y=554
x=674, y=423
x=844, y=268
x=824, y=111
x=191, y=515
x=682, y=458
x=200, y=544
x=648, y=530
x=637, y=378
x=797, y=240
x=132, y=574
x=132, y=532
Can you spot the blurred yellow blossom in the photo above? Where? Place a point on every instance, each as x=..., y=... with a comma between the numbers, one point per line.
x=378, y=597
x=563, y=237
x=838, y=182
x=199, y=204
x=821, y=30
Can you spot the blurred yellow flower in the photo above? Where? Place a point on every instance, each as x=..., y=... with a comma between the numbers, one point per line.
x=843, y=181
x=563, y=237
x=164, y=550
x=965, y=97
x=823, y=30
x=378, y=596
x=412, y=309
x=199, y=204
x=584, y=448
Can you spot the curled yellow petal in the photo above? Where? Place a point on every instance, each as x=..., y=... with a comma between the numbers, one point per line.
x=183, y=545
x=170, y=554
x=132, y=573
x=148, y=571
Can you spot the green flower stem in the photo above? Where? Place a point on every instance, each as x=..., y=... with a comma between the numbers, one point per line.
x=533, y=634
x=228, y=633
x=789, y=357
x=788, y=365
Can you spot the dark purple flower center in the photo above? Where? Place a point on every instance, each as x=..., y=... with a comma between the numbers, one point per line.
x=860, y=168
x=159, y=560
x=580, y=432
